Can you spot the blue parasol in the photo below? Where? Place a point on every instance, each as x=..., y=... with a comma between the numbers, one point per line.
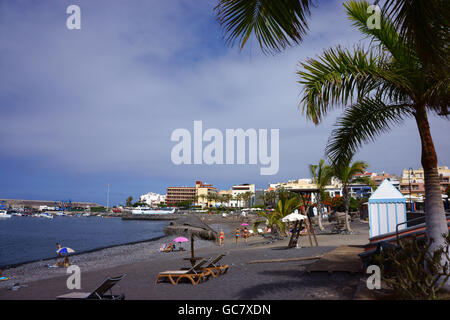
x=65, y=250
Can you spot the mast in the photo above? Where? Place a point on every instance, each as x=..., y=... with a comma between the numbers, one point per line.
x=107, y=198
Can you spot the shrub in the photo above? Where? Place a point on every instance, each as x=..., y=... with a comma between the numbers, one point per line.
x=412, y=272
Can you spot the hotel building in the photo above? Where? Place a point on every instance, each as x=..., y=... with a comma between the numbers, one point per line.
x=204, y=193
x=180, y=194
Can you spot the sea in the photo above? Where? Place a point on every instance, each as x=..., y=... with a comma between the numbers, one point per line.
x=27, y=239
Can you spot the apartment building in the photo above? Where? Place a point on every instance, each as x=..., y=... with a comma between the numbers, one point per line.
x=413, y=181
x=180, y=194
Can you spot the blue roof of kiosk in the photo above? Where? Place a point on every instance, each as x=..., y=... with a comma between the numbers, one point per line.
x=386, y=191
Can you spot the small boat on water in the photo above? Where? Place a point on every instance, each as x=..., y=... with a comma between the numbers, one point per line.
x=45, y=215
x=4, y=214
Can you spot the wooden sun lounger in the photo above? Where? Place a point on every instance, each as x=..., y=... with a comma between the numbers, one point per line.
x=97, y=294
x=215, y=268
x=194, y=274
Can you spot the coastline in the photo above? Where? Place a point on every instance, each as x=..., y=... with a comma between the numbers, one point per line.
x=15, y=265
x=142, y=262
x=91, y=260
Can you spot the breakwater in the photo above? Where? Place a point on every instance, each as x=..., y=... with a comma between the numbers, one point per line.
x=153, y=217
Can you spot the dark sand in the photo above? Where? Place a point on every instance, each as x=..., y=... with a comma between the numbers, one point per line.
x=142, y=263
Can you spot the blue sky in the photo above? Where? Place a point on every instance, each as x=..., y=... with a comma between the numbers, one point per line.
x=81, y=109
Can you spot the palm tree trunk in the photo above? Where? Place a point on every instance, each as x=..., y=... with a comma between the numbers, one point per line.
x=347, y=206
x=319, y=211
x=435, y=220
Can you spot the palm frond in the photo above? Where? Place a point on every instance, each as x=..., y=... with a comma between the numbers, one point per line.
x=336, y=77
x=425, y=27
x=364, y=180
x=275, y=24
x=362, y=123
x=386, y=34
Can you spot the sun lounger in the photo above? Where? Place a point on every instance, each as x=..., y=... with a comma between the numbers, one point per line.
x=215, y=268
x=97, y=294
x=194, y=274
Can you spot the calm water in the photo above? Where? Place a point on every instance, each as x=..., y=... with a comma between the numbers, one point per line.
x=24, y=239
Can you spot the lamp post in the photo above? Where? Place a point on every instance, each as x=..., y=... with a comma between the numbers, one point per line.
x=410, y=170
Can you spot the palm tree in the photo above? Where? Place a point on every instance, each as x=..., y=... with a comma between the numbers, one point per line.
x=270, y=198
x=347, y=174
x=129, y=201
x=247, y=196
x=321, y=176
x=383, y=85
x=285, y=205
x=238, y=199
x=211, y=197
x=202, y=197
x=276, y=25
x=227, y=198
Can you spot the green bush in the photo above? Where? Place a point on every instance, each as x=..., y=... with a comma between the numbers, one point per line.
x=412, y=272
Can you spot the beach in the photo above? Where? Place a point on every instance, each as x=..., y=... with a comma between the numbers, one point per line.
x=142, y=262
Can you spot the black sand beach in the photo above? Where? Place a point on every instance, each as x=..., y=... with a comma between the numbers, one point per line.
x=142, y=262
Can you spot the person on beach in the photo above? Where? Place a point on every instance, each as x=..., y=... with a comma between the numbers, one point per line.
x=245, y=234
x=237, y=234
x=58, y=263
x=169, y=247
x=66, y=261
x=221, y=236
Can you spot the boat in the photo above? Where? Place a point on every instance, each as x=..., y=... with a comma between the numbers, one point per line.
x=15, y=213
x=45, y=215
x=4, y=214
x=147, y=210
x=86, y=215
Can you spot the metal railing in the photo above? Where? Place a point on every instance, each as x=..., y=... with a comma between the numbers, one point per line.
x=447, y=216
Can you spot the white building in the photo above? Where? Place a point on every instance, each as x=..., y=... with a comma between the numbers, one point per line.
x=153, y=199
x=239, y=190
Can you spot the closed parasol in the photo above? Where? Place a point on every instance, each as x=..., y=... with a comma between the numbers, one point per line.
x=191, y=227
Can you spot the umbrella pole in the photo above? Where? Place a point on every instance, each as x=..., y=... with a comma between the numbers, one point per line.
x=294, y=234
x=192, y=248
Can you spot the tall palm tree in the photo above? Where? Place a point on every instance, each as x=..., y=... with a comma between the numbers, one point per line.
x=382, y=85
x=238, y=199
x=270, y=198
x=202, y=197
x=227, y=198
x=129, y=201
x=321, y=176
x=348, y=174
x=211, y=197
x=247, y=196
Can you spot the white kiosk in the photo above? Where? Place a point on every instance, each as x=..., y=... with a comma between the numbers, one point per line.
x=387, y=208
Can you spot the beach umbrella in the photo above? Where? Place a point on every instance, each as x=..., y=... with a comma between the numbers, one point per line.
x=65, y=250
x=180, y=239
x=294, y=217
x=192, y=227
